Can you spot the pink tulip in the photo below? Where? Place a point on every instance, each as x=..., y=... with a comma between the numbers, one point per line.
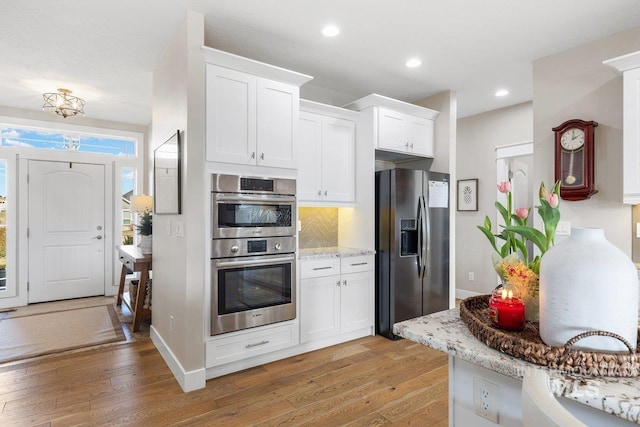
x=553, y=200
x=504, y=187
x=522, y=213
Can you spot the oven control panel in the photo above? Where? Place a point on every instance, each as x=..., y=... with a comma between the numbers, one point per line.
x=226, y=248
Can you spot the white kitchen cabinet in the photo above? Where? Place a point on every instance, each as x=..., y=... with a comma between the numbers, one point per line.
x=405, y=133
x=250, y=120
x=327, y=154
x=232, y=347
x=629, y=65
x=333, y=304
x=399, y=127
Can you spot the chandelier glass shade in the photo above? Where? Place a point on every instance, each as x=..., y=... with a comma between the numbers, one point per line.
x=63, y=103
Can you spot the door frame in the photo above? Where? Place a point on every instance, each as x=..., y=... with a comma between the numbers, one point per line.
x=17, y=258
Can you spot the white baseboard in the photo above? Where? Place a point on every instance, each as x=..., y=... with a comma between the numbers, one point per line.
x=189, y=381
x=462, y=294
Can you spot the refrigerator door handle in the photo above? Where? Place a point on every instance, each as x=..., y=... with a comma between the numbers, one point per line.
x=420, y=237
x=425, y=237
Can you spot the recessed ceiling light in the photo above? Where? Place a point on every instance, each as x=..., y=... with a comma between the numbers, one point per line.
x=413, y=63
x=330, y=31
x=502, y=92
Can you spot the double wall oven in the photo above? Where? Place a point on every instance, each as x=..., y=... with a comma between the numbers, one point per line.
x=253, y=259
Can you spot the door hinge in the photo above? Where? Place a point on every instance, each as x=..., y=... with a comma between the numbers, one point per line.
x=27, y=232
x=27, y=286
x=27, y=178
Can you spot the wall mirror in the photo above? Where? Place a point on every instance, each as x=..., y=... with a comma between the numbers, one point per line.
x=166, y=173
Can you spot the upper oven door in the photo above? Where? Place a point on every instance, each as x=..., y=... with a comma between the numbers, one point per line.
x=252, y=215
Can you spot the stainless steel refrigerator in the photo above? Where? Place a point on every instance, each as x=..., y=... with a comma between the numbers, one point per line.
x=412, y=246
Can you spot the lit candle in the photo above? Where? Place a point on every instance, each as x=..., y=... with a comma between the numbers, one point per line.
x=506, y=310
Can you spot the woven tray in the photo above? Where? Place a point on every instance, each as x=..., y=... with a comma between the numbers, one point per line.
x=527, y=345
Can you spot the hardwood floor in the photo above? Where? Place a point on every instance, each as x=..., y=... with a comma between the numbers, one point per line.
x=372, y=381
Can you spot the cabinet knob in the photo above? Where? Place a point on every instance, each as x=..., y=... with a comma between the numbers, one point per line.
x=412, y=145
x=262, y=156
x=325, y=192
x=407, y=145
x=338, y=283
x=253, y=154
x=344, y=283
x=319, y=192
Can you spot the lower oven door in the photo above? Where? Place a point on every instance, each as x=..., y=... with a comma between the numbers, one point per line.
x=252, y=291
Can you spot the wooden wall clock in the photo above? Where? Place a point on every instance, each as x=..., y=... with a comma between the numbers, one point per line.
x=574, y=159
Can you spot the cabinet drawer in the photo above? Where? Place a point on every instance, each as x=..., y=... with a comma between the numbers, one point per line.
x=356, y=264
x=220, y=351
x=319, y=268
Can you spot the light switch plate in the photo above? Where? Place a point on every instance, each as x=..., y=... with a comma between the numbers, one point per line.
x=179, y=229
x=167, y=229
x=563, y=228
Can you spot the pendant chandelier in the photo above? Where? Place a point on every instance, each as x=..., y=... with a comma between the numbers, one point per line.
x=63, y=103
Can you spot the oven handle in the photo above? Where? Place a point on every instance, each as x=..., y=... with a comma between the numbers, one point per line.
x=270, y=260
x=254, y=198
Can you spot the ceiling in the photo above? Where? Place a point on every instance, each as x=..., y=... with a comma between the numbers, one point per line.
x=105, y=51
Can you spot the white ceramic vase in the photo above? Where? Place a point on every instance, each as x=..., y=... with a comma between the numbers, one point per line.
x=588, y=284
x=146, y=244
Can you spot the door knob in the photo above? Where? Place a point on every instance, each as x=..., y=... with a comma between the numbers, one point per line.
x=99, y=236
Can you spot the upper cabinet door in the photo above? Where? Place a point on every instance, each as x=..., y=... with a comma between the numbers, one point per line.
x=230, y=116
x=391, y=130
x=338, y=159
x=310, y=144
x=419, y=135
x=278, y=113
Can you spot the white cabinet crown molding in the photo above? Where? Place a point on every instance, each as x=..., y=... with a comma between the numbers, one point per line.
x=251, y=66
x=317, y=107
x=624, y=62
x=393, y=104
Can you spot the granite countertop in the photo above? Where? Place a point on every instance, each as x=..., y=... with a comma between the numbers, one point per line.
x=332, y=252
x=445, y=331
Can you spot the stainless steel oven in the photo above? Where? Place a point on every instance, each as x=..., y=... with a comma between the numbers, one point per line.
x=253, y=283
x=253, y=207
x=253, y=252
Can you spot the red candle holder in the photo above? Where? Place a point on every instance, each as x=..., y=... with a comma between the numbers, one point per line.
x=506, y=311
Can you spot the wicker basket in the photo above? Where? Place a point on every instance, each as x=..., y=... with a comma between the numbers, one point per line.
x=527, y=345
x=133, y=292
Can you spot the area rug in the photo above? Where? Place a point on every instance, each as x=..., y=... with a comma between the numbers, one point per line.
x=55, y=332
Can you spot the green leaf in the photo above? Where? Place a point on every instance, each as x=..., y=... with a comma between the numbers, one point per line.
x=503, y=211
x=532, y=234
x=492, y=239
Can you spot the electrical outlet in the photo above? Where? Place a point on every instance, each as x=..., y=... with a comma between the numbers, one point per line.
x=472, y=276
x=179, y=229
x=485, y=399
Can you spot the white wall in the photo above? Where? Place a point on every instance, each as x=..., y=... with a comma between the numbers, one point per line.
x=575, y=84
x=478, y=137
x=179, y=262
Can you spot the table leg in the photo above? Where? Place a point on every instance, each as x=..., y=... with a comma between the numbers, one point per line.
x=123, y=275
x=142, y=287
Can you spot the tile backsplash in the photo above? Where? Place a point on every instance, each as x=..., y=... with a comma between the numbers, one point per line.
x=319, y=227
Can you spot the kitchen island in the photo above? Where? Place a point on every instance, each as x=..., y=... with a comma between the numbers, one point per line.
x=594, y=400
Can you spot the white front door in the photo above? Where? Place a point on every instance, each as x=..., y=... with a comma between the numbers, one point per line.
x=66, y=230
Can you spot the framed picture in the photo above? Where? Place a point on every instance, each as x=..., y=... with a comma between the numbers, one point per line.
x=166, y=177
x=468, y=194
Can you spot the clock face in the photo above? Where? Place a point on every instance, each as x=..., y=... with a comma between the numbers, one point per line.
x=572, y=139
